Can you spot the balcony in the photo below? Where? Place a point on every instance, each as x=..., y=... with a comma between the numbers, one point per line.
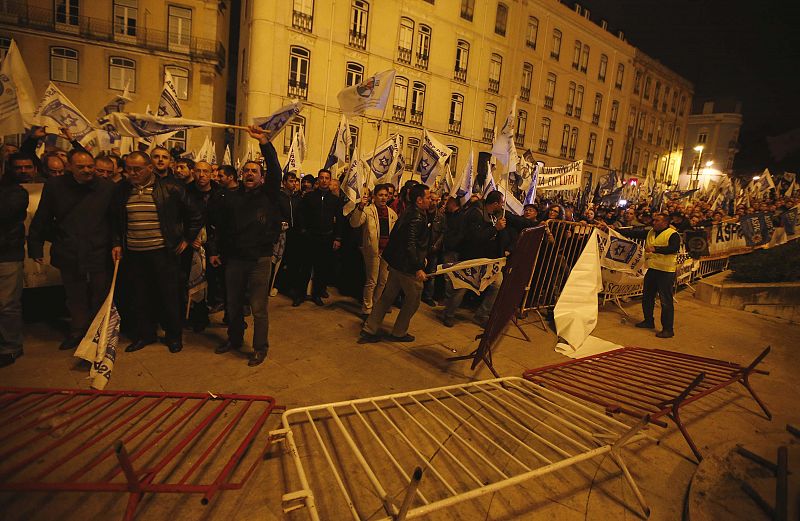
x=590, y=158
x=548, y=102
x=297, y=89
x=466, y=12
x=460, y=75
x=595, y=119
x=525, y=93
x=422, y=61
x=530, y=44
x=302, y=21
x=733, y=145
x=398, y=113
x=454, y=127
x=575, y=65
x=19, y=14
x=488, y=135
x=358, y=40
x=563, y=151
x=650, y=137
x=612, y=125
x=404, y=55
x=618, y=85
x=569, y=109
x=572, y=153
x=583, y=69
x=519, y=140
x=494, y=85
x=416, y=118
x=606, y=162
x=543, y=146
x=555, y=55
x=578, y=112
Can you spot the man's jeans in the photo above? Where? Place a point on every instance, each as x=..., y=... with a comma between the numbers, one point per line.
x=412, y=289
x=248, y=278
x=11, y=275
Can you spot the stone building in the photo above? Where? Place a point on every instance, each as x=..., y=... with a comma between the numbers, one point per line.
x=712, y=141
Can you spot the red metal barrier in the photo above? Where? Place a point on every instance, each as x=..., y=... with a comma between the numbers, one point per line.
x=63, y=440
x=647, y=383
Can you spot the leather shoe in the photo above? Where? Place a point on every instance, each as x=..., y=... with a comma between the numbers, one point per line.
x=666, y=333
x=175, y=346
x=297, y=301
x=430, y=302
x=645, y=324
x=318, y=301
x=139, y=344
x=448, y=321
x=404, y=338
x=224, y=348
x=324, y=294
x=70, y=343
x=368, y=338
x=256, y=358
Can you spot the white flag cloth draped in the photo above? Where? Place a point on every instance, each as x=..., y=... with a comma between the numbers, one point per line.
x=278, y=120
x=462, y=187
x=297, y=152
x=56, y=106
x=168, y=105
x=530, y=196
x=475, y=275
x=343, y=141
x=372, y=93
x=226, y=159
x=431, y=158
x=148, y=125
x=383, y=160
x=503, y=147
x=17, y=97
x=354, y=180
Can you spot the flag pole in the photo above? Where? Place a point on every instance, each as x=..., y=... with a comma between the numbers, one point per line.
x=377, y=138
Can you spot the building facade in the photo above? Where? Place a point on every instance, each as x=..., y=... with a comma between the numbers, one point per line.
x=92, y=49
x=712, y=141
x=459, y=65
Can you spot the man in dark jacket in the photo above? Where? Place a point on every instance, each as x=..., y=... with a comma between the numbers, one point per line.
x=245, y=228
x=158, y=220
x=13, y=207
x=323, y=226
x=76, y=214
x=290, y=272
x=405, y=253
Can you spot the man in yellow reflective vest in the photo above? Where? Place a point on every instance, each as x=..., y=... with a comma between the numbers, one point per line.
x=661, y=246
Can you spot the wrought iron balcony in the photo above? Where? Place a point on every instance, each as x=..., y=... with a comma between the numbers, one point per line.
x=519, y=140
x=488, y=135
x=302, y=21
x=578, y=112
x=595, y=119
x=454, y=127
x=494, y=85
x=606, y=162
x=590, y=158
x=548, y=102
x=612, y=125
x=358, y=40
x=530, y=44
x=543, y=146
x=568, y=110
x=422, y=60
x=563, y=152
x=416, y=117
x=404, y=55
x=460, y=75
x=572, y=153
x=398, y=113
x=555, y=55
x=525, y=93
x=297, y=89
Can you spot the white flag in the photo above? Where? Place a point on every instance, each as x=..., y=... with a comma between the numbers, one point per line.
x=489, y=185
x=503, y=147
x=147, y=125
x=475, y=275
x=17, y=102
x=372, y=93
x=462, y=188
x=56, y=106
x=382, y=161
x=512, y=204
x=204, y=154
x=168, y=105
x=99, y=345
x=430, y=158
x=278, y=120
x=296, y=153
x=226, y=159
x=353, y=183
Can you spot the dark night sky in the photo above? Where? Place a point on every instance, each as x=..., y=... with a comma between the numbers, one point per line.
x=746, y=50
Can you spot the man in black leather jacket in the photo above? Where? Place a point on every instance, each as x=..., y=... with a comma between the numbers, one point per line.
x=158, y=219
x=13, y=208
x=405, y=254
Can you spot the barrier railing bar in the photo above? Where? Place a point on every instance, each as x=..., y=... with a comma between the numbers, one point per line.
x=621, y=381
x=683, y=372
x=677, y=363
x=6, y=411
x=28, y=426
x=612, y=400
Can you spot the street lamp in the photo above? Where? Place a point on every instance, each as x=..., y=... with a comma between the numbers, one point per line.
x=698, y=148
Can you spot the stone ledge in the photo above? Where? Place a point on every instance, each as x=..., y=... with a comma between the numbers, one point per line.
x=779, y=299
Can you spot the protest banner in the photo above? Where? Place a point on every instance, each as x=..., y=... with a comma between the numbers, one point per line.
x=565, y=177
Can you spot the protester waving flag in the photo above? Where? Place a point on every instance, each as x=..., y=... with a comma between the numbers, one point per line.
x=17, y=97
x=56, y=106
x=431, y=156
x=372, y=93
x=278, y=120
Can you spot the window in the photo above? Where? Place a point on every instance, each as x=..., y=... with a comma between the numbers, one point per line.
x=637, y=82
x=495, y=67
x=650, y=129
x=64, y=64
x=555, y=50
x=462, y=59
x=612, y=122
x=354, y=134
x=489, y=117
x=607, y=154
x=665, y=99
x=601, y=72
x=522, y=123
x=5, y=45
x=180, y=78
x=647, y=83
x=545, y=135
x=640, y=125
x=501, y=19
x=533, y=32
x=564, y=141
x=702, y=137
x=576, y=55
x=579, y=101
x=456, y=112
x=598, y=105
x=411, y=152
x=467, y=9
x=359, y=18
x=303, y=15
x=180, y=27
x=645, y=161
x=177, y=141
x=120, y=72
x=676, y=140
x=67, y=12
x=354, y=74
x=656, y=94
x=125, y=14
x=550, y=91
x=453, y=158
x=527, y=79
x=423, y=46
x=400, y=99
x=591, y=148
x=659, y=132
x=585, y=59
x=417, y=102
x=299, y=59
x=631, y=121
x=620, y=76
x=405, y=40
x=571, y=98
x=573, y=142
x=682, y=105
x=298, y=122
x=674, y=101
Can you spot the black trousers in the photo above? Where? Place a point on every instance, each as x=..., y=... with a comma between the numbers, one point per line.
x=155, y=283
x=660, y=283
x=85, y=294
x=248, y=281
x=317, y=257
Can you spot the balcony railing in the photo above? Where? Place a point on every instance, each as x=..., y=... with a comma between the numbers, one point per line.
x=358, y=40
x=554, y=55
x=494, y=85
x=578, y=112
x=612, y=125
x=398, y=113
x=416, y=117
x=583, y=69
x=460, y=75
x=563, y=151
x=543, y=146
x=548, y=102
x=525, y=93
x=530, y=44
x=519, y=140
x=19, y=14
x=650, y=137
x=595, y=119
x=590, y=158
x=404, y=55
x=454, y=127
x=606, y=162
x=302, y=21
x=297, y=89
x=488, y=135
x=466, y=12
x=568, y=110
x=422, y=60
x=572, y=153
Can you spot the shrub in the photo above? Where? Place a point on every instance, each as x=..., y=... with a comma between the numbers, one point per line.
x=779, y=264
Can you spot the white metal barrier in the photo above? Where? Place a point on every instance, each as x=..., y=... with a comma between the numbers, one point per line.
x=361, y=459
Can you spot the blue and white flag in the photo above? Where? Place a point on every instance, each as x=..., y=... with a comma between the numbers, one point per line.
x=757, y=228
x=372, y=93
x=430, y=158
x=147, y=125
x=278, y=120
x=168, y=104
x=530, y=196
x=475, y=275
x=620, y=253
x=56, y=106
x=503, y=147
x=99, y=345
x=489, y=185
x=383, y=160
x=297, y=153
x=462, y=189
x=512, y=204
x=789, y=220
x=353, y=183
x=340, y=146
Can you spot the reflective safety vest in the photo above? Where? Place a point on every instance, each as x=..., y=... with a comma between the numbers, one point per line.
x=660, y=261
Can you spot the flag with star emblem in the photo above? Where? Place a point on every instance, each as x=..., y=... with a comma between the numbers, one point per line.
x=382, y=160
x=430, y=158
x=278, y=120
x=56, y=106
x=372, y=93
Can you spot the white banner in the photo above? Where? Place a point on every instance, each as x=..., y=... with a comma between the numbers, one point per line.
x=565, y=177
x=372, y=93
x=475, y=274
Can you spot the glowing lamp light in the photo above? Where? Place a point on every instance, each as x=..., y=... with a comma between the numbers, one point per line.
x=709, y=163
x=622, y=202
x=756, y=177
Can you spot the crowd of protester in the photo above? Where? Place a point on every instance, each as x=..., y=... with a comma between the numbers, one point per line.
x=256, y=231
